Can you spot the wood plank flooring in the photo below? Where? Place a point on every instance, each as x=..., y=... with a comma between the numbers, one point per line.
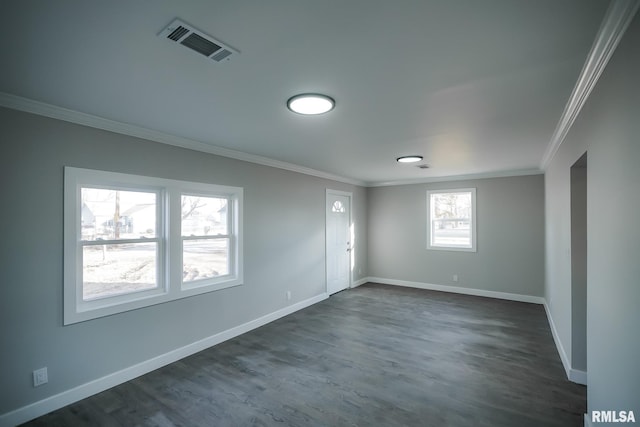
x=372, y=356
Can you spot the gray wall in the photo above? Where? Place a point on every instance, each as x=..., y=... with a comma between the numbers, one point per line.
x=510, y=239
x=284, y=223
x=609, y=129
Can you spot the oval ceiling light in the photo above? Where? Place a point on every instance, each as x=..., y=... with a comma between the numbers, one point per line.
x=310, y=104
x=409, y=159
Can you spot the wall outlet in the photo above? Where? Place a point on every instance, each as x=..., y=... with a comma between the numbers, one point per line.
x=455, y=278
x=40, y=376
x=288, y=295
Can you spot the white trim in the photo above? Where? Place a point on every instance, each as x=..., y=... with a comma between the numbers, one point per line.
x=556, y=338
x=83, y=391
x=339, y=192
x=613, y=27
x=359, y=282
x=577, y=376
x=469, y=177
x=169, y=285
x=615, y=23
x=459, y=290
x=47, y=110
x=573, y=375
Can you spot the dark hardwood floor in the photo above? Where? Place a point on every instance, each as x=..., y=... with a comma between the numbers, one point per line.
x=371, y=356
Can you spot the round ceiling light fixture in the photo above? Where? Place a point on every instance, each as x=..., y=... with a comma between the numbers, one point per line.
x=409, y=159
x=311, y=104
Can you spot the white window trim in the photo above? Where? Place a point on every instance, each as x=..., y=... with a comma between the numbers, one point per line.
x=169, y=263
x=473, y=247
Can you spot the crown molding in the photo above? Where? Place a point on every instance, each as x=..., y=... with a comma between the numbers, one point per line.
x=52, y=111
x=495, y=174
x=615, y=23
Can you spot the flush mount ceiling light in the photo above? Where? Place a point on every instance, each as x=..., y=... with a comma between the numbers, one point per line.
x=409, y=159
x=310, y=104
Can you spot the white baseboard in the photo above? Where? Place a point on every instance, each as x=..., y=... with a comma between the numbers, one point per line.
x=574, y=375
x=83, y=391
x=359, y=282
x=556, y=338
x=587, y=420
x=459, y=290
x=578, y=376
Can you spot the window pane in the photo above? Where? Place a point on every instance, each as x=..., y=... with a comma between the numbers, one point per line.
x=204, y=216
x=204, y=259
x=337, y=207
x=109, y=214
x=451, y=233
x=451, y=219
x=109, y=270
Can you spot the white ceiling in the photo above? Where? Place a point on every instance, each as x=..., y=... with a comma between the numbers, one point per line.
x=475, y=86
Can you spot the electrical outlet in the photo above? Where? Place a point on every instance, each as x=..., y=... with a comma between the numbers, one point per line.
x=40, y=376
x=455, y=278
x=288, y=295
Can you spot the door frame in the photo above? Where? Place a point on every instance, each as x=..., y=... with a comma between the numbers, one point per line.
x=349, y=196
x=578, y=201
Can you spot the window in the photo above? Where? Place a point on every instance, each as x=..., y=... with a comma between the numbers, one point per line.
x=134, y=241
x=119, y=244
x=205, y=238
x=451, y=221
x=337, y=207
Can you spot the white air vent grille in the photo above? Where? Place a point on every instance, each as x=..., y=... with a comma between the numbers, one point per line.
x=185, y=35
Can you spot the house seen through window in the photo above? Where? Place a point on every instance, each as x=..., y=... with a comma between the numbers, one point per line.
x=119, y=242
x=133, y=241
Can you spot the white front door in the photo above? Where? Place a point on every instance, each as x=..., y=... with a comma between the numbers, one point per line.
x=338, y=211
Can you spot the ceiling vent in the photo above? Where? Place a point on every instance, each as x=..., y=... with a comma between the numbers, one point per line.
x=180, y=32
x=423, y=166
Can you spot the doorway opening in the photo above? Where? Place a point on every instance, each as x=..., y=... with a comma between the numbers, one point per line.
x=578, y=184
